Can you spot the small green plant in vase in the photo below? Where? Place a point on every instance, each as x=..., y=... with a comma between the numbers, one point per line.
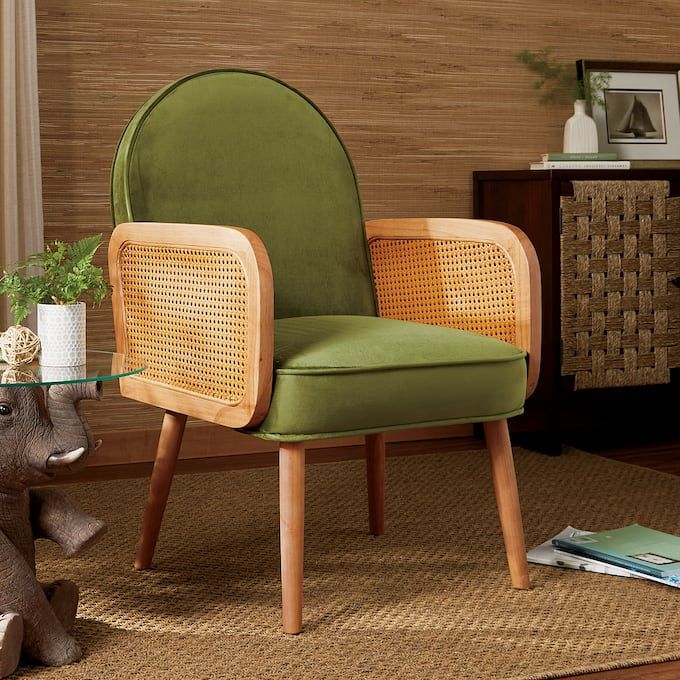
x=59, y=280
x=559, y=82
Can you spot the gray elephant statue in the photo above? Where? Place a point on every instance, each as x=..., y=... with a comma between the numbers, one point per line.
x=40, y=439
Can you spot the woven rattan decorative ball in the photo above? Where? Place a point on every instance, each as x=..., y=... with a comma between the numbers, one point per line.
x=19, y=345
x=13, y=375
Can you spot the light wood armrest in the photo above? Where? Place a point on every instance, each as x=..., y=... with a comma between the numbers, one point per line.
x=195, y=304
x=476, y=275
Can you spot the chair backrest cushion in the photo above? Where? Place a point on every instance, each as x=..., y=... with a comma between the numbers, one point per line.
x=243, y=149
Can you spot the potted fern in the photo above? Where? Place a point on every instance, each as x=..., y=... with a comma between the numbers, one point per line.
x=59, y=280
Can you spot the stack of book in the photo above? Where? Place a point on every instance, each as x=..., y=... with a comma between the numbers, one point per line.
x=580, y=161
x=634, y=551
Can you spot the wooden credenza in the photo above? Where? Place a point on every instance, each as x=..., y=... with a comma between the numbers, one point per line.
x=542, y=203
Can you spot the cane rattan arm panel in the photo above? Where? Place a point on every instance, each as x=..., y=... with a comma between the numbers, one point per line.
x=620, y=248
x=195, y=304
x=476, y=275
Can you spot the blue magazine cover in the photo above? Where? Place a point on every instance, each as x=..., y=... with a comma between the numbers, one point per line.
x=634, y=547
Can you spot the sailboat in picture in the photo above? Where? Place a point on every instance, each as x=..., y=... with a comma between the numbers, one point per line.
x=636, y=120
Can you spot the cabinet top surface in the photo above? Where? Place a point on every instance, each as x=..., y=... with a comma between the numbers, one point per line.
x=549, y=175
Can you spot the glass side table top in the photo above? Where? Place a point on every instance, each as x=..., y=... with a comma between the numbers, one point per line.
x=99, y=365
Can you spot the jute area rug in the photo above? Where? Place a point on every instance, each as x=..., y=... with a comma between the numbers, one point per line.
x=429, y=599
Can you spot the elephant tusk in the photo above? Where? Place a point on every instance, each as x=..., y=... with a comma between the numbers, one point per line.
x=57, y=460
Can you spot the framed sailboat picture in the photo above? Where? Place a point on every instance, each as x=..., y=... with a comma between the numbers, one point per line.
x=638, y=115
x=635, y=116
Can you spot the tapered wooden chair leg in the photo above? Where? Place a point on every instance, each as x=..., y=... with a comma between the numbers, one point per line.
x=292, y=527
x=169, y=444
x=507, y=497
x=375, y=476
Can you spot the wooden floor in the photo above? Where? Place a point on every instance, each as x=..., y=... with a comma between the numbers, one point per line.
x=660, y=453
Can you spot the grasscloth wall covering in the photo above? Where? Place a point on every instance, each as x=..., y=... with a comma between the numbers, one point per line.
x=422, y=93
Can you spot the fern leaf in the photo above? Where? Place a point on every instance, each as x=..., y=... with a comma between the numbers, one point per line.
x=81, y=252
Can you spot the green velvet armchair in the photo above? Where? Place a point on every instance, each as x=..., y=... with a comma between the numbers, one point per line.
x=245, y=277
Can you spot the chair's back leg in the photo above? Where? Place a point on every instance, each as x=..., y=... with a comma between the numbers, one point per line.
x=507, y=498
x=292, y=527
x=169, y=444
x=375, y=477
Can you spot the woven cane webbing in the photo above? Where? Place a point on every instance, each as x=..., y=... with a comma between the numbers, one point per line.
x=454, y=283
x=186, y=312
x=620, y=247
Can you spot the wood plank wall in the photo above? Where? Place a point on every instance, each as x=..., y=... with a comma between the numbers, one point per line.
x=423, y=93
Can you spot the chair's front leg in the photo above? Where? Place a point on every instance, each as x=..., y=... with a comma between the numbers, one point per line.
x=169, y=444
x=292, y=527
x=375, y=477
x=507, y=498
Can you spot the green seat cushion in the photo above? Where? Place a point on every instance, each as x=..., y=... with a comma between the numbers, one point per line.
x=343, y=375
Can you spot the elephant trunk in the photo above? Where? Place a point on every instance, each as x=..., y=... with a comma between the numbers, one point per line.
x=70, y=428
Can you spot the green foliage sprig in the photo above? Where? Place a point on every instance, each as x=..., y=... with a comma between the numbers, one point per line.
x=559, y=81
x=67, y=275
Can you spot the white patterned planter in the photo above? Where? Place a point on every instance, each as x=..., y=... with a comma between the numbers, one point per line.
x=63, y=373
x=61, y=329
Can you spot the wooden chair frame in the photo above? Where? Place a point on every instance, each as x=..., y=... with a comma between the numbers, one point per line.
x=520, y=253
x=249, y=250
x=251, y=409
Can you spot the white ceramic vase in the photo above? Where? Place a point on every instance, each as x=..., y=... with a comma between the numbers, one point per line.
x=580, y=131
x=61, y=329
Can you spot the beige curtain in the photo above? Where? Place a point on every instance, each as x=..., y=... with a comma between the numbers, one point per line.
x=21, y=218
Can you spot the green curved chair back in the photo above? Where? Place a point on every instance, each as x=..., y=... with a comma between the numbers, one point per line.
x=243, y=149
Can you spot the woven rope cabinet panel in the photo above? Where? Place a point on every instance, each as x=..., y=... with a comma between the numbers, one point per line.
x=620, y=248
x=459, y=284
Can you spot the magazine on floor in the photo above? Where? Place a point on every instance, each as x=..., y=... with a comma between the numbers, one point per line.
x=549, y=554
x=635, y=547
